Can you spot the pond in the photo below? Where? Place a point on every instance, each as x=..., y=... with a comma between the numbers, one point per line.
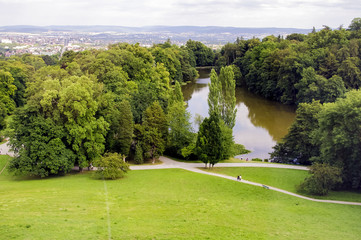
x=260, y=123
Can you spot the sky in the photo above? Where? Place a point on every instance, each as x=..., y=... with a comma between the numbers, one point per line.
x=135, y=13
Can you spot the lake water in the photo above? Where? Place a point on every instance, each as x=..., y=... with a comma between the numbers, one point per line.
x=260, y=123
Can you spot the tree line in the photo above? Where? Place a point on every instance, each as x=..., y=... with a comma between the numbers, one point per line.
x=320, y=73
x=125, y=100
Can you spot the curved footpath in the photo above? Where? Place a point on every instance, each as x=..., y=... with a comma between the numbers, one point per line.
x=194, y=167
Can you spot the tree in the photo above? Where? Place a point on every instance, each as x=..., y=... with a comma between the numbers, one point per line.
x=214, y=96
x=228, y=99
x=355, y=24
x=324, y=178
x=204, y=56
x=120, y=132
x=78, y=106
x=155, y=131
x=180, y=129
x=315, y=87
x=177, y=95
x=40, y=145
x=138, y=158
x=7, y=90
x=350, y=72
x=339, y=136
x=298, y=145
x=209, y=148
x=111, y=166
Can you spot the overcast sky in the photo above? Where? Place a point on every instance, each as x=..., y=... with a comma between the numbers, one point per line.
x=237, y=13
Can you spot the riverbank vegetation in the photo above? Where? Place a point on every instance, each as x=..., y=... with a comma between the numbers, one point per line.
x=321, y=73
x=126, y=99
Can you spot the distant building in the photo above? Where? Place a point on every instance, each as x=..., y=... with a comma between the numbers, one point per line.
x=6, y=41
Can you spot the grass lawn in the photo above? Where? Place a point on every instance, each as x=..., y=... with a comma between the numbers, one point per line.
x=164, y=204
x=3, y=160
x=286, y=179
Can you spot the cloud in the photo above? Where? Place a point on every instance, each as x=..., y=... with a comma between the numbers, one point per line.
x=241, y=13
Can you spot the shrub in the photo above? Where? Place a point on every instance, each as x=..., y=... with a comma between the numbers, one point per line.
x=138, y=158
x=111, y=166
x=257, y=159
x=324, y=177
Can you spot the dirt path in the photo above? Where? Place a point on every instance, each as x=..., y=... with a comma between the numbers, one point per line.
x=194, y=167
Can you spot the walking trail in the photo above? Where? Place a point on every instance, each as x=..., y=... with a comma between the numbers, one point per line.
x=194, y=167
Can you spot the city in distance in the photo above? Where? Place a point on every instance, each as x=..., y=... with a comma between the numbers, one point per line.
x=49, y=40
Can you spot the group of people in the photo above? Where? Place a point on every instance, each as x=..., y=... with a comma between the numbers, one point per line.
x=239, y=178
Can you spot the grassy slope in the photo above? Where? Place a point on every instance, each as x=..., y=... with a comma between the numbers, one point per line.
x=164, y=204
x=3, y=160
x=286, y=179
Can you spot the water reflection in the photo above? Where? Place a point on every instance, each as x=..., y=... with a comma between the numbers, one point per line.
x=260, y=123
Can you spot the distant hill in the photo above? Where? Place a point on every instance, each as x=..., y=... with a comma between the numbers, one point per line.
x=154, y=29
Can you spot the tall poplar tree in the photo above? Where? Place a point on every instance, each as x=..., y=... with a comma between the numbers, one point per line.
x=228, y=98
x=214, y=96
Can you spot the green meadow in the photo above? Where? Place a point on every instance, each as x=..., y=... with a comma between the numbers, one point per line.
x=163, y=204
x=285, y=179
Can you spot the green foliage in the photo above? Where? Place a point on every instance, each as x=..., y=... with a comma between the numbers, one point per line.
x=238, y=149
x=324, y=177
x=279, y=69
x=339, y=137
x=298, y=145
x=180, y=129
x=209, y=148
x=40, y=145
x=355, y=24
x=138, y=158
x=111, y=166
x=155, y=131
x=7, y=90
x=120, y=134
x=214, y=96
x=315, y=87
x=203, y=55
x=221, y=102
x=228, y=99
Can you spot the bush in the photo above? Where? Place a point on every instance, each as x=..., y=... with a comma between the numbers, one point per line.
x=324, y=177
x=138, y=158
x=257, y=159
x=111, y=166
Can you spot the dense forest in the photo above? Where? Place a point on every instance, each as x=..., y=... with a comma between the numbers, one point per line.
x=320, y=73
x=128, y=100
